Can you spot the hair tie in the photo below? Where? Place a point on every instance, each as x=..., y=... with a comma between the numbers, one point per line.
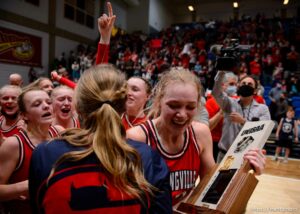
x=107, y=102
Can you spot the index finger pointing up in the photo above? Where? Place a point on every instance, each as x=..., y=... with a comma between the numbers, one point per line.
x=110, y=10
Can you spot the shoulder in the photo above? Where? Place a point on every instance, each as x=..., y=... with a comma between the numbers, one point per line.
x=200, y=129
x=46, y=154
x=202, y=133
x=10, y=144
x=137, y=134
x=10, y=151
x=153, y=164
x=59, y=128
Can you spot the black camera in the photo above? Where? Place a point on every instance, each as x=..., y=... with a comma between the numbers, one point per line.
x=228, y=56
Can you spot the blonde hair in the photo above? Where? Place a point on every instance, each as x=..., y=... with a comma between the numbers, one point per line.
x=55, y=91
x=5, y=87
x=100, y=96
x=36, y=83
x=175, y=75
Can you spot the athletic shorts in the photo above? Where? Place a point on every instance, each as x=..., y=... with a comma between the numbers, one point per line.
x=286, y=143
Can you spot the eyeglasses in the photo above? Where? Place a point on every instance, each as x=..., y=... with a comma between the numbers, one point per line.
x=247, y=83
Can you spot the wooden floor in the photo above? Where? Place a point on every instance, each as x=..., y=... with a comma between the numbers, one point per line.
x=278, y=190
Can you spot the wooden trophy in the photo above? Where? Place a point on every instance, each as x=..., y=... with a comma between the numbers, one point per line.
x=230, y=184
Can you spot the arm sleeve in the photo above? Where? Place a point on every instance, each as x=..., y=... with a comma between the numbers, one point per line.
x=67, y=82
x=102, y=53
x=222, y=99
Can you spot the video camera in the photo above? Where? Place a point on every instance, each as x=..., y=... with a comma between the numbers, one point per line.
x=228, y=56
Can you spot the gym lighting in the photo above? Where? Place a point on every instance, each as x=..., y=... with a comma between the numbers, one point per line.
x=235, y=4
x=191, y=8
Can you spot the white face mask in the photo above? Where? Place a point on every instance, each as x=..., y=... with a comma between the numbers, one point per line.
x=231, y=90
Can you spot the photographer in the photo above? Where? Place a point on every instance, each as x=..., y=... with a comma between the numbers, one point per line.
x=237, y=111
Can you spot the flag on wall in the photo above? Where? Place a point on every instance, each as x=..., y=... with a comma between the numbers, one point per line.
x=20, y=48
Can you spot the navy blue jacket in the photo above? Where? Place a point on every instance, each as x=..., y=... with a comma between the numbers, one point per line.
x=45, y=155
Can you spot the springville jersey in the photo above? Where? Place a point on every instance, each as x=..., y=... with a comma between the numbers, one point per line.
x=184, y=166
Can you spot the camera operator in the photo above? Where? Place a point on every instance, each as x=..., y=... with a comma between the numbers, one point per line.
x=237, y=111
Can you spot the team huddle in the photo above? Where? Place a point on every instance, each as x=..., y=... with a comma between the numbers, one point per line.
x=107, y=144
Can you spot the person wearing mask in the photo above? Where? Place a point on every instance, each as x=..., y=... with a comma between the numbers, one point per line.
x=216, y=113
x=237, y=111
x=274, y=95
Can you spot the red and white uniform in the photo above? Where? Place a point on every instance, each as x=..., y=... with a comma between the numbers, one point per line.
x=21, y=172
x=184, y=166
x=130, y=122
x=11, y=130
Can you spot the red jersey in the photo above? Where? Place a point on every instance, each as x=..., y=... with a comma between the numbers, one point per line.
x=184, y=166
x=21, y=172
x=212, y=109
x=11, y=130
x=130, y=122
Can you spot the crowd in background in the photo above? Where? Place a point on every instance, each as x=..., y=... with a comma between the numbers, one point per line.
x=270, y=55
x=106, y=102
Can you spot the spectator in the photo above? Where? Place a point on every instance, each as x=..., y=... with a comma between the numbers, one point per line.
x=287, y=131
x=237, y=111
x=16, y=79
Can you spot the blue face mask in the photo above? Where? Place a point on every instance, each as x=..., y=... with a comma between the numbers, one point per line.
x=231, y=90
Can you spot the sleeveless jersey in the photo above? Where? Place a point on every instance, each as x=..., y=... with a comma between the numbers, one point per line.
x=184, y=166
x=130, y=122
x=21, y=172
x=11, y=130
x=287, y=129
x=76, y=123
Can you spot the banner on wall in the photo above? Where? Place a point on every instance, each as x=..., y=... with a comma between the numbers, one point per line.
x=20, y=48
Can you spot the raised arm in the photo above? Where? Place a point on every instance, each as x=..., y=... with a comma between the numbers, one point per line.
x=62, y=80
x=105, y=26
x=222, y=99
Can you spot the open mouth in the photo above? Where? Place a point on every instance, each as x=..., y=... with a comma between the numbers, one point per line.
x=48, y=114
x=65, y=111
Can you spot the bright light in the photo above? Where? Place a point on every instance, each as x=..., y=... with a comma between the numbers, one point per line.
x=235, y=4
x=191, y=8
x=285, y=2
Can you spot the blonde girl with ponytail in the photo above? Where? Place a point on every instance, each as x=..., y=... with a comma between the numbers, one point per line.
x=94, y=168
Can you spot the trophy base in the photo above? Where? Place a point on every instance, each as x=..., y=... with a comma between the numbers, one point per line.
x=189, y=208
x=234, y=200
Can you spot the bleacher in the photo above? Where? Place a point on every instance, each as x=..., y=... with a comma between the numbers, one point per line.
x=270, y=147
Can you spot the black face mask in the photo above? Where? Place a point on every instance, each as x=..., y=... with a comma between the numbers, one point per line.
x=245, y=91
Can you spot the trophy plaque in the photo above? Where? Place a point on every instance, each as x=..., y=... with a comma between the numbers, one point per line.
x=228, y=187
